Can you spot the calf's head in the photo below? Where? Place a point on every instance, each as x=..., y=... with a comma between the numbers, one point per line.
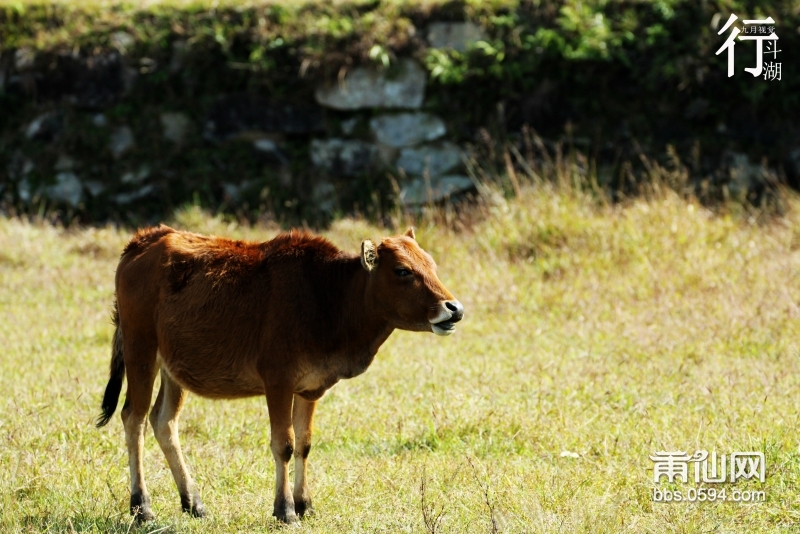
x=404, y=288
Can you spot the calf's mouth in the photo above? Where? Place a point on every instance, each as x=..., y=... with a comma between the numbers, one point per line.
x=444, y=328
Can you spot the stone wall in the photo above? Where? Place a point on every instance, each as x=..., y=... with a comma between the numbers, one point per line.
x=126, y=115
x=396, y=136
x=94, y=142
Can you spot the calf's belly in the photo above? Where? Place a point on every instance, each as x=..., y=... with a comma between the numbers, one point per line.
x=213, y=376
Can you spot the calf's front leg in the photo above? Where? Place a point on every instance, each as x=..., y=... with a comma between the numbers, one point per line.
x=279, y=405
x=302, y=419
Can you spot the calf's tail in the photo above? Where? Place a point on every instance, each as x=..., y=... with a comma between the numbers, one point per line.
x=117, y=373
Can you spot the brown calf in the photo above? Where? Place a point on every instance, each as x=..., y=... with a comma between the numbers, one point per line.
x=287, y=318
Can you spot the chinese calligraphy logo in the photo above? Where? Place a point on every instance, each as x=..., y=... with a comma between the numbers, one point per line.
x=764, y=36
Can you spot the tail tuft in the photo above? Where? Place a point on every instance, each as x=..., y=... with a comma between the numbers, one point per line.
x=117, y=373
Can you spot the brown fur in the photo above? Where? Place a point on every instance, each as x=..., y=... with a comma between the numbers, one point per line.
x=287, y=318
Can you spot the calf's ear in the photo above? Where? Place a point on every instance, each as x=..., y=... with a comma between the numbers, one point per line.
x=369, y=255
x=410, y=233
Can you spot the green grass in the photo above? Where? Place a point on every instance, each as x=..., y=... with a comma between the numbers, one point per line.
x=607, y=331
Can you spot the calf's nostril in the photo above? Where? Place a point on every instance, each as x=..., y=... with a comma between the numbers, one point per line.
x=456, y=310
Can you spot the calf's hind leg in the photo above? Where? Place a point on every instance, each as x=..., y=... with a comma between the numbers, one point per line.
x=164, y=420
x=140, y=368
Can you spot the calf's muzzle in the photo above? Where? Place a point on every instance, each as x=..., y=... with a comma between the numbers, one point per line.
x=450, y=313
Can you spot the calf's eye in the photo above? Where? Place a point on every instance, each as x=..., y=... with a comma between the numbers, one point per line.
x=402, y=272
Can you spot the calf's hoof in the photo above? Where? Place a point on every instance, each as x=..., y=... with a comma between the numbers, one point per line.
x=303, y=508
x=287, y=518
x=284, y=512
x=193, y=506
x=140, y=508
x=198, y=511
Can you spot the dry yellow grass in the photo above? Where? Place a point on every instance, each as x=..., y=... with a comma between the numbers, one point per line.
x=605, y=332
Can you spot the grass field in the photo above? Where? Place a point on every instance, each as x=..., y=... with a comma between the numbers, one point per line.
x=594, y=336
